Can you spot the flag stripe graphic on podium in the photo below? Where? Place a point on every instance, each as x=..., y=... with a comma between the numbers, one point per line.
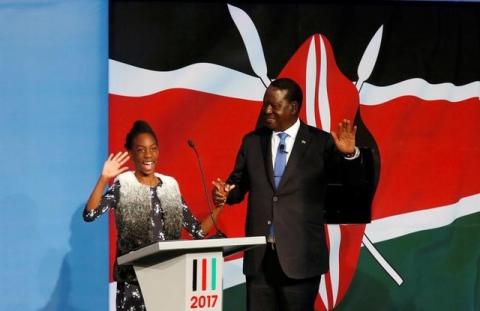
x=204, y=272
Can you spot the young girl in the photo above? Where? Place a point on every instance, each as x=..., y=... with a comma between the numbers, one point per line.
x=148, y=207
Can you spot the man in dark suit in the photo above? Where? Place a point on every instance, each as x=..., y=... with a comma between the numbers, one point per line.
x=285, y=167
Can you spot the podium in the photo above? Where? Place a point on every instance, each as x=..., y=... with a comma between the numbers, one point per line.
x=185, y=275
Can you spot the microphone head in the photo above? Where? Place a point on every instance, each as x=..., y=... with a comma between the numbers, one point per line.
x=190, y=143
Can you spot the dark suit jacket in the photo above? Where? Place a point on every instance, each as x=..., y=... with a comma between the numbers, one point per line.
x=297, y=207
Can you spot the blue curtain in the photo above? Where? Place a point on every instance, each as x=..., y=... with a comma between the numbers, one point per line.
x=53, y=121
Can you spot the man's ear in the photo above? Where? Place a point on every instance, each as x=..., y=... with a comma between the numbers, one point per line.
x=294, y=107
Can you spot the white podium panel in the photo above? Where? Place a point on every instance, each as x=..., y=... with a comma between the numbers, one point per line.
x=188, y=282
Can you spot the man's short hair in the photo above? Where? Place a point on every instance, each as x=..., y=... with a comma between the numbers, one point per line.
x=294, y=92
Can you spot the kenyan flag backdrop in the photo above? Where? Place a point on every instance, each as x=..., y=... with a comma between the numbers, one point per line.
x=409, y=73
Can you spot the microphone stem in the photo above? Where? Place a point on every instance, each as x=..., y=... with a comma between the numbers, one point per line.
x=205, y=190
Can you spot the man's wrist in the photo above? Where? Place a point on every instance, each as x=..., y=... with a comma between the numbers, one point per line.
x=352, y=156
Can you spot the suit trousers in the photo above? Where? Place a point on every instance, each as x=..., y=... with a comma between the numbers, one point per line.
x=272, y=290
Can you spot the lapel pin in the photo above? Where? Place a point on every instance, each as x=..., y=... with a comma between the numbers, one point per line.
x=303, y=142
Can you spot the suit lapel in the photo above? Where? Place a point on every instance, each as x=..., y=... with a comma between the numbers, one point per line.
x=266, y=144
x=300, y=145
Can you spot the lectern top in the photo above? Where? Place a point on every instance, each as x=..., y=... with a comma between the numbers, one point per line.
x=227, y=246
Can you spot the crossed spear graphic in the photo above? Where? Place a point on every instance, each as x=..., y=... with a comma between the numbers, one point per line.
x=256, y=56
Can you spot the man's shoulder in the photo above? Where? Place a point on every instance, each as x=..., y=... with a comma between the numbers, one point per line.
x=266, y=132
x=257, y=133
x=316, y=132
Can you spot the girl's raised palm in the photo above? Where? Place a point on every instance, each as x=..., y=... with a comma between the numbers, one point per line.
x=114, y=165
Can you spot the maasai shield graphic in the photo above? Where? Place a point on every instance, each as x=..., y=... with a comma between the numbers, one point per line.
x=329, y=98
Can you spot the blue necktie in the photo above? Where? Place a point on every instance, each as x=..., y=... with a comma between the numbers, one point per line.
x=280, y=160
x=278, y=169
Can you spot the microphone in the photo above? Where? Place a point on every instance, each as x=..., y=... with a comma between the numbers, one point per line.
x=218, y=234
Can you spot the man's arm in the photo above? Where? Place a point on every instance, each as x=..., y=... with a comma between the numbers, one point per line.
x=234, y=189
x=347, y=197
x=345, y=163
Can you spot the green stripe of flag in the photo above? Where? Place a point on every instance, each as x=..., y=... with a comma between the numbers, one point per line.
x=440, y=269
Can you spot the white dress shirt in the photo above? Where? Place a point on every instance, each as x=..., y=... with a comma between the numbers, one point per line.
x=292, y=132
